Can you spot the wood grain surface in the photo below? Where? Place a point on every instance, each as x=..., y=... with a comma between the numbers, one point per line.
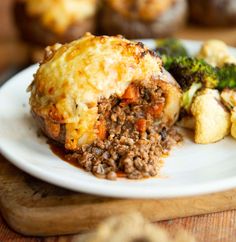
x=216, y=227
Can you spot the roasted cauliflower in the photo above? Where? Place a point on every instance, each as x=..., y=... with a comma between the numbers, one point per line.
x=229, y=99
x=215, y=53
x=212, y=120
x=233, y=120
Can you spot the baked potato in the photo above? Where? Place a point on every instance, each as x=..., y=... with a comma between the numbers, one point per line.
x=46, y=22
x=142, y=19
x=109, y=102
x=213, y=12
x=52, y=95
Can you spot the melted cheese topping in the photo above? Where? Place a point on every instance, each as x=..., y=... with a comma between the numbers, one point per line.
x=146, y=10
x=57, y=15
x=73, y=78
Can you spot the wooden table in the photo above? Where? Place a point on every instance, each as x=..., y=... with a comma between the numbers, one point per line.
x=218, y=227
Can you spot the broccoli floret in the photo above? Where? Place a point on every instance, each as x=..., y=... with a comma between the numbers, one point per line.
x=188, y=70
x=188, y=95
x=167, y=61
x=192, y=75
x=170, y=47
x=227, y=76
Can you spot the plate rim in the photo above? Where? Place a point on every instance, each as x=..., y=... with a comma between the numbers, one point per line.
x=138, y=192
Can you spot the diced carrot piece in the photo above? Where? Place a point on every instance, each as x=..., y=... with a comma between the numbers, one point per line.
x=102, y=129
x=156, y=110
x=131, y=94
x=141, y=125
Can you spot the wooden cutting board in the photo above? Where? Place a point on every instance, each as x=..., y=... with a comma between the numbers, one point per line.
x=33, y=207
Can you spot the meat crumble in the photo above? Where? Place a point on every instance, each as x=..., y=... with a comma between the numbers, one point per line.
x=132, y=138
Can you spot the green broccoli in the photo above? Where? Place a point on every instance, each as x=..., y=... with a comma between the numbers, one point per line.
x=188, y=95
x=170, y=47
x=189, y=70
x=227, y=76
x=192, y=74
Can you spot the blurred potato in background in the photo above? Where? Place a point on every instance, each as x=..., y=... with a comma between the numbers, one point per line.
x=213, y=12
x=30, y=25
x=143, y=19
x=46, y=22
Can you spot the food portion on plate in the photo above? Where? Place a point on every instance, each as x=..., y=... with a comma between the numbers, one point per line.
x=142, y=19
x=208, y=81
x=109, y=103
x=190, y=169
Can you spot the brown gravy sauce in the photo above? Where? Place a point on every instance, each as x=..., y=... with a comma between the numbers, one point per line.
x=62, y=153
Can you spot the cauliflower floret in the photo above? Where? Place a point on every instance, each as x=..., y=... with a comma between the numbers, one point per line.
x=212, y=120
x=215, y=53
x=233, y=120
x=229, y=98
x=229, y=60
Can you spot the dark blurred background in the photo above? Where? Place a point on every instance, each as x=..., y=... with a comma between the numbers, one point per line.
x=22, y=45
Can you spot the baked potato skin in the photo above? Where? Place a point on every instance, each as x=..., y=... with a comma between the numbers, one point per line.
x=52, y=130
x=32, y=30
x=113, y=23
x=219, y=12
x=57, y=131
x=66, y=105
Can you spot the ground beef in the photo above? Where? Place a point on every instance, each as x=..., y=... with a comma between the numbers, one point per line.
x=128, y=150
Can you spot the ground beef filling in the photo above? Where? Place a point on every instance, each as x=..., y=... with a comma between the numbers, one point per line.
x=132, y=138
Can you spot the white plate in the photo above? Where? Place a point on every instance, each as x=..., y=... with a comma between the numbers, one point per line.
x=190, y=169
